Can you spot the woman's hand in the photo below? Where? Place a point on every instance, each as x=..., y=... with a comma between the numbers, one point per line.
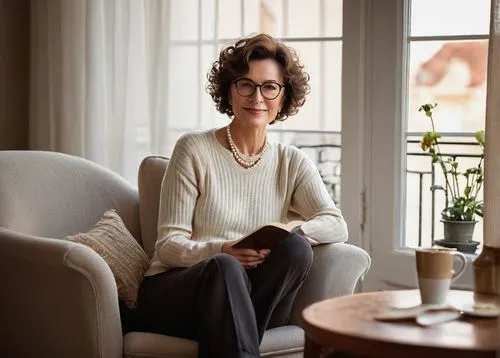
x=247, y=257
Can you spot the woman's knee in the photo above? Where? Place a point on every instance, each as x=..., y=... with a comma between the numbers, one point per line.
x=225, y=262
x=296, y=249
x=227, y=267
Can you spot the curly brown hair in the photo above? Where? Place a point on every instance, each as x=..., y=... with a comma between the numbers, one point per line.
x=234, y=61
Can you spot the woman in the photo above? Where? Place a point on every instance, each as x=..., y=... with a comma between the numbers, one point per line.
x=222, y=184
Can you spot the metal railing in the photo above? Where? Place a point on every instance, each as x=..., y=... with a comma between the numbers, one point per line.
x=457, y=147
x=328, y=168
x=431, y=172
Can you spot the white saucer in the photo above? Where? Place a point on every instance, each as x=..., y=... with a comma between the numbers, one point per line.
x=481, y=309
x=397, y=313
x=430, y=318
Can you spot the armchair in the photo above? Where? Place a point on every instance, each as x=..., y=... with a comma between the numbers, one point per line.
x=59, y=298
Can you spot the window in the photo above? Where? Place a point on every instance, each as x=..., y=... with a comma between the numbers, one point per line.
x=447, y=65
x=403, y=41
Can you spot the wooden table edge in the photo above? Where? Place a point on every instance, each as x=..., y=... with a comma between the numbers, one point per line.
x=362, y=345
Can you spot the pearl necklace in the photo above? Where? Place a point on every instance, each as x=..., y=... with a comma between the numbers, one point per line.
x=248, y=161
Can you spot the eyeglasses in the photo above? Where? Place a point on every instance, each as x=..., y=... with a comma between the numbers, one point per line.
x=246, y=88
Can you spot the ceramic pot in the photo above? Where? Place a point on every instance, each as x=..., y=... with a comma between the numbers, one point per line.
x=458, y=231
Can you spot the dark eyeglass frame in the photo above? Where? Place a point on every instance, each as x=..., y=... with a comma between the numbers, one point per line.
x=235, y=82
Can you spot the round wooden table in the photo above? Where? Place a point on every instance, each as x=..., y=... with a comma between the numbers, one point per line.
x=345, y=326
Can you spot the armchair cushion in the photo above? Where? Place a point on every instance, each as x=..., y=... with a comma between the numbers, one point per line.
x=286, y=341
x=115, y=244
x=151, y=174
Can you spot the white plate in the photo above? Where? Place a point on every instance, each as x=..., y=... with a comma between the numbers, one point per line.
x=481, y=309
x=430, y=318
x=396, y=313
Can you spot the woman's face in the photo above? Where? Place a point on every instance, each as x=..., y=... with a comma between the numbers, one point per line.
x=255, y=110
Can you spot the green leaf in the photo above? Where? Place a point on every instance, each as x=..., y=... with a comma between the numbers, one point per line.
x=480, y=137
x=437, y=187
x=473, y=171
x=428, y=107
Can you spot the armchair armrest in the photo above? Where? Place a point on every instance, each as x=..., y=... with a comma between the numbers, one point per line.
x=58, y=299
x=336, y=270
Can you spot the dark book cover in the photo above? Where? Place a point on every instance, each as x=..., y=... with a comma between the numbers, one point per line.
x=266, y=237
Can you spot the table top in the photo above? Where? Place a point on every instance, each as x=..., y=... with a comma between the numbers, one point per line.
x=347, y=323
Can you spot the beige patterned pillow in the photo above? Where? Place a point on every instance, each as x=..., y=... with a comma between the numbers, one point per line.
x=115, y=244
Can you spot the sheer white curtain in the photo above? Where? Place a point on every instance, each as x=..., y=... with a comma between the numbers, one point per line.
x=492, y=159
x=98, y=79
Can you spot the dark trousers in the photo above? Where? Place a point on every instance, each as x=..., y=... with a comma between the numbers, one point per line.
x=220, y=304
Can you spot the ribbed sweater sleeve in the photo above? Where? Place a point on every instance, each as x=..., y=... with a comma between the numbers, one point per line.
x=323, y=220
x=179, y=194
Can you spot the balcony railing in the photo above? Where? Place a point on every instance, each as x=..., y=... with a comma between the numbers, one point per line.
x=329, y=168
x=459, y=148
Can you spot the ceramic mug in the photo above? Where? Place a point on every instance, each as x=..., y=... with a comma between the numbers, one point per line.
x=435, y=272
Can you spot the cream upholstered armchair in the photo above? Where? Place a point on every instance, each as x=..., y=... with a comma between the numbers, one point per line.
x=59, y=298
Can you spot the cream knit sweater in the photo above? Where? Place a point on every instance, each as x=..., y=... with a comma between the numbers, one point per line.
x=207, y=198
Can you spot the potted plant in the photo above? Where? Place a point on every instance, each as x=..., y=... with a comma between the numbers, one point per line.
x=461, y=187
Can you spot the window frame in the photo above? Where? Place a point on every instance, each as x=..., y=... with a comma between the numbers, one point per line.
x=385, y=39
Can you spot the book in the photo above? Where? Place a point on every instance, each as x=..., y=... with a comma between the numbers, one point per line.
x=266, y=236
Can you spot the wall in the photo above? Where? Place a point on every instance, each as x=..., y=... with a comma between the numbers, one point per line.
x=14, y=73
